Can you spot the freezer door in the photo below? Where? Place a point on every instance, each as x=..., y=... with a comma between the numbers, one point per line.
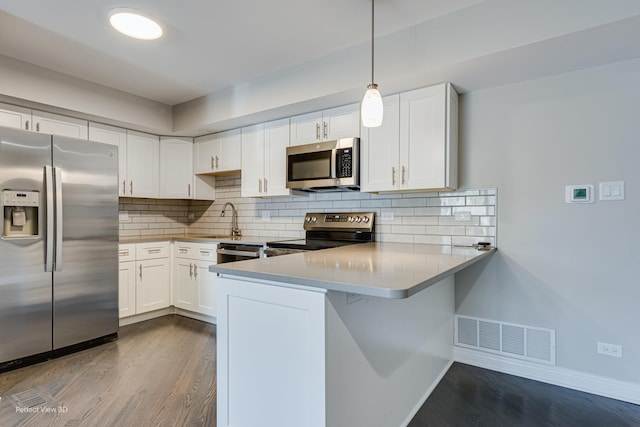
x=25, y=286
x=85, y=290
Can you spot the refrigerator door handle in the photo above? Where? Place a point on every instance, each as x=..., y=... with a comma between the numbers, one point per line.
x=58, y=180
x=48, y=177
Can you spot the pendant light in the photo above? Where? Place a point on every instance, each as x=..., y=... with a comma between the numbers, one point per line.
x=371, y=110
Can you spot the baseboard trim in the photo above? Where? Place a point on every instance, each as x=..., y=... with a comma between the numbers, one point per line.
x=576, y=380
x=145, y=316
x=424, y=398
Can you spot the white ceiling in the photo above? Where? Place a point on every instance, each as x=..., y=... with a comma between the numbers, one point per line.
x=226, y=64
x=208, y=45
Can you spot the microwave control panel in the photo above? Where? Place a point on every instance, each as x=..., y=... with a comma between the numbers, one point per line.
x=344, y=158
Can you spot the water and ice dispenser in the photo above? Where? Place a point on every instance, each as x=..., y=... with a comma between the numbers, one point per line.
x=20, y=213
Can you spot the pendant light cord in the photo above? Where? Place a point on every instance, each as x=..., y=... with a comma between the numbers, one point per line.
x=372, y=38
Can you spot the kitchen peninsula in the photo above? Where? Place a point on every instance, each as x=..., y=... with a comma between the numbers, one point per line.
x=351, y=336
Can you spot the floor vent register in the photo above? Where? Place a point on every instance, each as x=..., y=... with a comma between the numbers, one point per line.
x=506, y=339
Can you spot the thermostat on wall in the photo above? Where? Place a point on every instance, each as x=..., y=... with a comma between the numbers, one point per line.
x=579, y=193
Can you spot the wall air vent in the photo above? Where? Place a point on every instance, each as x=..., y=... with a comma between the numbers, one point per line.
x=507, y=339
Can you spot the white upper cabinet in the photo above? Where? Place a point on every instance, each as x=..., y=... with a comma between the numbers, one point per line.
x=143, y=156
x=176, y=165
x=416, y=148
x=380, y=150
x=264, y=149
x=253, y=159
x=55, y=124
x=41, y=121
x=218, y=153
x=114, y=136
x=327, y=125
x=15, y=117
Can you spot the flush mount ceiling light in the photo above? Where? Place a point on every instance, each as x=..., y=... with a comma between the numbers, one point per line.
x=372, y=110
x=132, y=23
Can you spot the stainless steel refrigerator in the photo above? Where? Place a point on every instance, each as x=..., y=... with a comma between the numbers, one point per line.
x=59, y=243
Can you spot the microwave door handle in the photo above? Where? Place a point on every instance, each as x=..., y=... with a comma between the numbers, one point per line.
x=333, y=163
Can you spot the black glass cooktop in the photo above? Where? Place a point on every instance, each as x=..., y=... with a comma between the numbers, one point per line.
x=309, y=244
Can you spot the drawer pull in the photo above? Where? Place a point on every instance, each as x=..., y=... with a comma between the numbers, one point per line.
x=124, y=253
x=205, y=253
x=154, y=251
x=183, y=250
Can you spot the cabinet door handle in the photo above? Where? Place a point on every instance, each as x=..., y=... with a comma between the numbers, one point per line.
x=325, y=128
x=190, y=270
x=124, y=187
x=189, y=190
x=131, y=187
x=217, y=163
x=140, y=271
x=265, y=186
x=403, y=172
x=195, y=270
x=26, y=125
x=318, y=131
x=393, y=175
x=259, y=186
x=212, y=165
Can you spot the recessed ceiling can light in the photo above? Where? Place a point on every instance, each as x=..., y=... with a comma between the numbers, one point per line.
x=132, y=23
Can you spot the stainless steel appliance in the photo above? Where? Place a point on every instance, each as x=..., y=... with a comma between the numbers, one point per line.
x=58, y=244
x=324, y=166
x=230, y=252
x=328, y=230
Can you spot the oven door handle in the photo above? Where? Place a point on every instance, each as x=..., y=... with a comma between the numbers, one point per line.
x=239, y=253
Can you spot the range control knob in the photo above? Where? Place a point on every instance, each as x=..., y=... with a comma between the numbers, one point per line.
x=366, y=219
x=308, y=219
x=351, y=219
x=358, y=219
x=314, y=219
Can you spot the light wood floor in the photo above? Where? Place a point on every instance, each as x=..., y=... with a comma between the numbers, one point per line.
x=160, y=372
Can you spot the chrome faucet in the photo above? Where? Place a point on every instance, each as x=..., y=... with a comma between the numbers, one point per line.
x=235, y=231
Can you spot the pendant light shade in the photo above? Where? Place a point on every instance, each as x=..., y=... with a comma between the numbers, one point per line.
x=371, y=111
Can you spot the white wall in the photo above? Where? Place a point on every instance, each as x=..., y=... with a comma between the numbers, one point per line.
x=573, y=268
x=37, y=87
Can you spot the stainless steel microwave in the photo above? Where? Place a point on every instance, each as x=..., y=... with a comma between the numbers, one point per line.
x=324, y=166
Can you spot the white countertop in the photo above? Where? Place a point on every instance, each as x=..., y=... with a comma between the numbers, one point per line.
x=387, y=270
x=246, y=240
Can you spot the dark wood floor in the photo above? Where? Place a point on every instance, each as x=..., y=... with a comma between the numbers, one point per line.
x=470, y=396
x=158, y=373
x=162, y=373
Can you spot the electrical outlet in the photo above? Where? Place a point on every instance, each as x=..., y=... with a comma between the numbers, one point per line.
x=610, y=349
x=462, y=216
x=386, y=216
x=266, y=215
x=353, y=297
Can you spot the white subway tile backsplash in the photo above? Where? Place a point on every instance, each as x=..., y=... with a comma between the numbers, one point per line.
x=443, y=230
x=447, y=201
x=421, y=217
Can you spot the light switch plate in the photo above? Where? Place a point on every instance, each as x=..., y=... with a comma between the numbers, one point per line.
x=613, y=190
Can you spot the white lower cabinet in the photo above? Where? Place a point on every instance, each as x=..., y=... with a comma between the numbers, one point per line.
x=153, y=286
x=144, y=277
x=194, y=287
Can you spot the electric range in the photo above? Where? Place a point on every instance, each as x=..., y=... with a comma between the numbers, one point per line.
x=327, y=230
